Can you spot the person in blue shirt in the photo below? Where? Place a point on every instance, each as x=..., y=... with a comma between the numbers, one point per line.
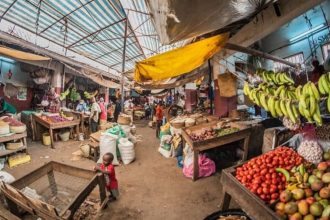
x=81, y=107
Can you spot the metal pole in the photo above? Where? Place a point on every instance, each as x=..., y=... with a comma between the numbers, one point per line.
x=123, y=68
x=210, y=86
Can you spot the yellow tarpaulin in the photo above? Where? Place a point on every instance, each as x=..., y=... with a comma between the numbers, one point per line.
x=178, y=61
x=17, y=54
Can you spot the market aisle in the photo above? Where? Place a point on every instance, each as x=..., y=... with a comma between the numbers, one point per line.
x=152, y=187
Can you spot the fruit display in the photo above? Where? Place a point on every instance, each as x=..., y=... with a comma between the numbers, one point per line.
x=53, y=119
x=278, y=95
x=64, y=94
x=311, y=151
x=225, y=131
x=267, y=175
x=307, y=195
x=74, y=95
x=90, y=95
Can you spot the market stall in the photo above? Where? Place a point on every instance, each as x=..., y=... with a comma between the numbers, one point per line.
x=53, y=122
x=211, y=135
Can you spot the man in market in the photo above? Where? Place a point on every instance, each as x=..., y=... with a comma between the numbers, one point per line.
x=94, y=117
x=317, y=71
x=81, y=107
x=117, y=110
x=6, y=107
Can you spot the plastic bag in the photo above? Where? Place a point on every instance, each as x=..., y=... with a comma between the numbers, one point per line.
x=127, y=150
x=206, y=167
x=6, y=177
x=117, y=130
x=108, y=144
x=165, y=146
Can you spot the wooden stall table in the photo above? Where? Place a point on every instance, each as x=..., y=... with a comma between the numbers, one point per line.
x=12, y=137
x=36, y=120
x=242, y=134
x=233, y=189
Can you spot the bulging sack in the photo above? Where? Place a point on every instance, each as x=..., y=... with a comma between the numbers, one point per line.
x=206, y=167
x=127, y=150
x=108, y=144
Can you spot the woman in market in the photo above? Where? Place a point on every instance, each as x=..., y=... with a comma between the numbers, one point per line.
x=103, y=114
x=94, y=117
x=159, y=117
x=6, y=107
x=117, y=110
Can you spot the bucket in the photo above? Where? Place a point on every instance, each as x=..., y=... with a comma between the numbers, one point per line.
x=46, y=139
x=65, y=136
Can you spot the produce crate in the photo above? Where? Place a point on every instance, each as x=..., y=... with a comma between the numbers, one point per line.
x=251, y=204
x=60, y=191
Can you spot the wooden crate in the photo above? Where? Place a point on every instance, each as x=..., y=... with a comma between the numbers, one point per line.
x=251, y=204
x=16, y=199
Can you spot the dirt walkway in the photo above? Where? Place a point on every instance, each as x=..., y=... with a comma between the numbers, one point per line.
x=152, y=187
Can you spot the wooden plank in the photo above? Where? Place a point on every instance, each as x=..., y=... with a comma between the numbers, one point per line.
x=101, y=182
x=72, y=171
x=13, y=137
x=244, y=198
x=32, y=176
x=7, y=152
x=80, y=198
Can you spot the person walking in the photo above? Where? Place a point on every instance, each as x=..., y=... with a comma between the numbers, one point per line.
x=159, y=117
x=117, y=110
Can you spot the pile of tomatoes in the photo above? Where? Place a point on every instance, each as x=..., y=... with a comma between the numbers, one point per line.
x=259, y=174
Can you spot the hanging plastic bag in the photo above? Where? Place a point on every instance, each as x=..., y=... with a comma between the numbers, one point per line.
x=206, y=167
x=108, y=144
x=127, y=150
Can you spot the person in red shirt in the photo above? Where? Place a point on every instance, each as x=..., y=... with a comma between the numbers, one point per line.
x=108, y=169
x=159, y=117
x=103, y=114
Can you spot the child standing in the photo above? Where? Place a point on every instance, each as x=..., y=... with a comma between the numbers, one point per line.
x=108, y=169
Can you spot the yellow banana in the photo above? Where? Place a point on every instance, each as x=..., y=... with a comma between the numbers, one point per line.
x=263, y=101
x=283, y=108
x=290, y=113
x=246, y=88
x=278, y=108
x=328, y=103
x=314, y=90
x=312, y=105
x=317, y=116
x=295, y=111
x=320, y=85
x=298, y=91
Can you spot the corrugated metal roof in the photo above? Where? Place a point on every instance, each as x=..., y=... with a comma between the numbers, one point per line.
x=91, y=28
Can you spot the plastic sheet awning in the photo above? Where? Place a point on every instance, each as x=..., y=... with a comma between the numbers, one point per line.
x=17, y=54
x=183, y=19
x=179, y=61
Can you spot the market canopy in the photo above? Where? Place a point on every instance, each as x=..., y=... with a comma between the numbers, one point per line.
x=183, y=19
x=179, y=61
x=88, y=31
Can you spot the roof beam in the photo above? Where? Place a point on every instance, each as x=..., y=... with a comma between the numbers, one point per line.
x=96, y=32
x=39, y=50
x=258, y=29
x=5, y=12
x=58, y=20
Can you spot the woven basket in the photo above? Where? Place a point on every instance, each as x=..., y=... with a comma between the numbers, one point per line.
x=14, y=145
x=124, y=120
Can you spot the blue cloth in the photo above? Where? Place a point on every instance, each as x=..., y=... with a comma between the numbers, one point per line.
x=81, y=107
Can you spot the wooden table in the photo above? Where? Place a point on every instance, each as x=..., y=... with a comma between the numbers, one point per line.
x=242, y=134
x=232, y=188
x=12, y=137
x=36, y=120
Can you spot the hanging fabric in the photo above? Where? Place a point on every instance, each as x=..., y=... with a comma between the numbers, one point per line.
x=179, y=61
x=17, y=54
x=227, y=84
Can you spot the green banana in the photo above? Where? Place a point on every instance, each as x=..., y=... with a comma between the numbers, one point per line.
x=271, y=106
x=283, y=108
x=312, y=105
x=290, y=112
x=328, y=103
x=295, y=111
x=317, y=116
x=314, y=90
x=284, y=172
x=320, y=85
x=263, y=101
x=278, y=108
x=298, y=91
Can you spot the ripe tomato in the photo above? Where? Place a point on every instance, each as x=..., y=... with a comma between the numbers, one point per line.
x=265, y=190
x=268, y=176
x=263, y=172
x=274, y=196
x=259, y=191
x=263, y=197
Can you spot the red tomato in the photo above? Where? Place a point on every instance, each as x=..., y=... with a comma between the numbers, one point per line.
x=244, y=179
x=268, y=176
x=263, y=172
x=263, y=197
x=265, y=190
x=274, y=175
x=274, y=196
x=274, y=181
x=259, y=191
x=264, y=184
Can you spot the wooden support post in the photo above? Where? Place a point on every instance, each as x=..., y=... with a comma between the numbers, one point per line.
x=101, y=182
x=52, y=182
x=196, y=167
x=225, y=200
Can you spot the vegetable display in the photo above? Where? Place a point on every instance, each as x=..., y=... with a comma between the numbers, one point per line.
x=209, y=133
x=310, y=151
x=266, y=175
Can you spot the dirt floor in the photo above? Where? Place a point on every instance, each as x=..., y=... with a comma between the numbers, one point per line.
x=152, y=187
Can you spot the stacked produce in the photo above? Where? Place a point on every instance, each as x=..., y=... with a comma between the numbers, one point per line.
x=311, y=151
x=54, y=119
x=15, y=126
x=267, y=175
x=307, y=195
x=278, y=95
x=209, y=133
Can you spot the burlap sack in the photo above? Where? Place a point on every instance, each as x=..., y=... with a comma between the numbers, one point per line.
x=227, y=84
